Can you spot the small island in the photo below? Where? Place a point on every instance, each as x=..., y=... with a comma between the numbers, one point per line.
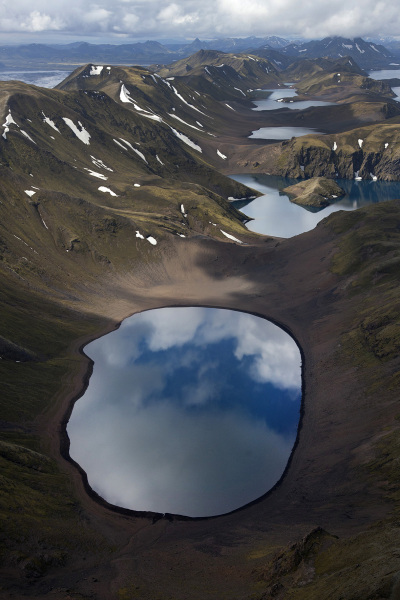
x=317, y=192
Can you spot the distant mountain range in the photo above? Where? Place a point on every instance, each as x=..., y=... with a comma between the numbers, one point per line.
x=279, y=51
x=367, y=54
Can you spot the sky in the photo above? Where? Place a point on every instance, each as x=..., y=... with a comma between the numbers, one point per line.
x=119, y=21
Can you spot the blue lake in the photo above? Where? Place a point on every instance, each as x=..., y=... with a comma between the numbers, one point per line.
x=385, y=73
x=47, y=79
x=189, y=411
x=281, y=133
x=285, y=99
x=274, y=214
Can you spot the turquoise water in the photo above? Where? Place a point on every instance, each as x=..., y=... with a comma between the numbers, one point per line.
x=274, y=214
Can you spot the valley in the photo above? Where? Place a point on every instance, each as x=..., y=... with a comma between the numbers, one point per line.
x=115, y=198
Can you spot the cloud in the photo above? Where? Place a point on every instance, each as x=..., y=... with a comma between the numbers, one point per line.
x=209, y=18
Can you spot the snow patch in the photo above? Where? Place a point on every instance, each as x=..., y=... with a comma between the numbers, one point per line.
x=184, y=122
x=185, y=101
x=136, y=185
x=152, y=240
x=231, y=237
x=159, y=160
x=119, y=144
x=230, y=107
x=29, y=193
x=96, y=70
x=27, y=136
x=334, y=147
x=221, y=155
x=186, y=140
x=95, y=174
x=99, y=164
x=102, y=188
x=9, y=121
x=79, y=131
x=125, y=96
x=239, y=90
x=50, y=122
x=360, y=142
x=139, y=235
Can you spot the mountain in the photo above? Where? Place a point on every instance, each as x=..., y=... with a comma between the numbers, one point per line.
x=280, y=60
x=279, y=51
x=143, y=53
x=97, y=144
x=111, y=204
x=31, y=55
x=231, y=44
x=222, y=75
x=337, y=80
x=366, y=54
x=306, y=67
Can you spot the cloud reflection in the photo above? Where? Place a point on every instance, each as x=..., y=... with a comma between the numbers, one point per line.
x=275, y=356
x=170, y=421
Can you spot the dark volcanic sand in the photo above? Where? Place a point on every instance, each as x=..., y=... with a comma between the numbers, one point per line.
x=288, y=281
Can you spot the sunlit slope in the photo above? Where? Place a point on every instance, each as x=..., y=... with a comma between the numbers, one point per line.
x=371, y=152
x=89, y=147
x=223, y=75
x=190, y=113
x=307, y=67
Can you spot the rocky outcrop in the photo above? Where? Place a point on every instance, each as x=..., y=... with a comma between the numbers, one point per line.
x=317, y=192
x=371, y=152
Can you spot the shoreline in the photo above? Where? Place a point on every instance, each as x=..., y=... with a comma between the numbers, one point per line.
x=326, y=483
x=155, y=516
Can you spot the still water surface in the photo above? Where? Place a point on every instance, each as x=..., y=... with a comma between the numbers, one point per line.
x=191, y=411
x=274, y=214
x=273, y=102
x=282, y=133
x=47, y=79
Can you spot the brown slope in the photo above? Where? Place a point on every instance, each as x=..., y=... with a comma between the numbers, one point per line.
x=342, y=473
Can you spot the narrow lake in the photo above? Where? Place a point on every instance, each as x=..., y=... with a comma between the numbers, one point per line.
x=274, y=214
x=279, y=99
x=190, y=411
x=281, y=133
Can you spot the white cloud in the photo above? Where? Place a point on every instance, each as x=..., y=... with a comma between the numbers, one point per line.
x=189, y=18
